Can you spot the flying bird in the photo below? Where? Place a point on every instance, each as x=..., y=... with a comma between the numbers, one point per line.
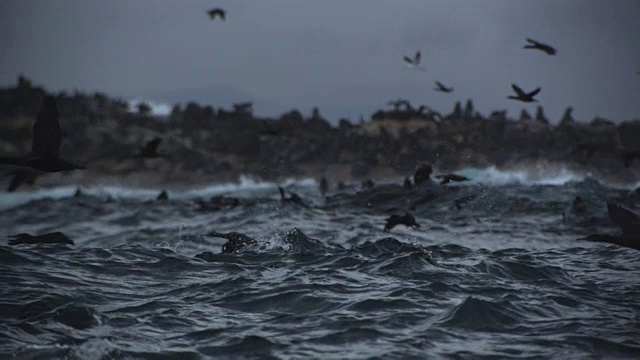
x=217, y=12
x=550, y=50
x=522, y=96
x=45, y=148
x=441, y=88
x=415, y=62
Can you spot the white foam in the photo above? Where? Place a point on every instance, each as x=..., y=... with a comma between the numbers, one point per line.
x=245, y=186
x=157, y=108
x=13, y=199
x=536, y=175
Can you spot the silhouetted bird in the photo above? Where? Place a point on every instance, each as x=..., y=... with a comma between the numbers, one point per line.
x=441, y=88
x=45, y=239
x=235, y=241
x=22, y=177
x=293, y=197
x=217, y=12
x=150, y=150
x=628, y=221
x=522, y=96
x=451, y=178
x=415, y=62
x=407, y=219
x=540, y=46
x=45, y=149
x=629, y=157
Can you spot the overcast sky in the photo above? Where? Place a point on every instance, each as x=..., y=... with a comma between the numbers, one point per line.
x=344, y=56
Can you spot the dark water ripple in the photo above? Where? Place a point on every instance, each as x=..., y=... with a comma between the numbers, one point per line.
x=501, y=278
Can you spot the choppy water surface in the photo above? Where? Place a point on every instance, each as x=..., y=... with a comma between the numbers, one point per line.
x=502, y=277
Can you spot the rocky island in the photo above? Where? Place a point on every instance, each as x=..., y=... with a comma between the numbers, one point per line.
x=202, y=144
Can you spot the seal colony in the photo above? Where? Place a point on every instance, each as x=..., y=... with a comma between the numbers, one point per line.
x=45, y=157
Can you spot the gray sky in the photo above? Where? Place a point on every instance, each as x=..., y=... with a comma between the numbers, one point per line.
x=343, y=55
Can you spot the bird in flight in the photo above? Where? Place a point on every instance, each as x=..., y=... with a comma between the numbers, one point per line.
x=217, y=12
x=522, y=96
x=550, y=50
x=441, y=88
x=45, y=148
x=415, y=62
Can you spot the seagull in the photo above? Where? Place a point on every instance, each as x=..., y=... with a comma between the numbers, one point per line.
x=550, y=50
x=217, y=12
x=522, y=96
x=407, y=219
x=415, y=62
x=441, y=88
x=45, y=149
x=150, y=150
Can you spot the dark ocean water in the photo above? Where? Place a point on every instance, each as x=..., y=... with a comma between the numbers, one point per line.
x=504, y=277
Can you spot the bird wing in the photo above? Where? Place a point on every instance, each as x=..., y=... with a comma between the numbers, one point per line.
x=518, y=90
x=628, y=221
x=219, y=12
x=440, y=86
x=531, y=41
x=549, y=49
x=407, y=60
x=46, y=130
x=417, y=58
x=534, y=92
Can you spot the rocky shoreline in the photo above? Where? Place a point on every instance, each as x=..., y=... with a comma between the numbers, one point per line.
x=203, y=145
